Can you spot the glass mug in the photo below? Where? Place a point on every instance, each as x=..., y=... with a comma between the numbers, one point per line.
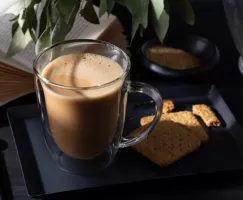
x=82, y=134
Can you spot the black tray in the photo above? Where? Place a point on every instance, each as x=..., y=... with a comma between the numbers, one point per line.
x=223, y=152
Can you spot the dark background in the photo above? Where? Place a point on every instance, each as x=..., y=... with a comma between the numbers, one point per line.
x=210, y=23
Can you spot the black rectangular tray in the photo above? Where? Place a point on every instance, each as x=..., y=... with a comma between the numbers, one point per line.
x=223, y=151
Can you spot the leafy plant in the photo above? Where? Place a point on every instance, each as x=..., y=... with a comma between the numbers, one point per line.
x=57, y=18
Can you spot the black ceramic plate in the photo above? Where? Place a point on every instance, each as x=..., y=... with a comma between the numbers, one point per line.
x=223, y=152
x=207, y=53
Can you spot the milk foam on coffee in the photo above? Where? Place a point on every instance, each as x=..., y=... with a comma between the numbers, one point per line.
x=82, y=122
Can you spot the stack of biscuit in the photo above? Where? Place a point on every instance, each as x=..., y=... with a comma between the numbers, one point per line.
x=177, y=134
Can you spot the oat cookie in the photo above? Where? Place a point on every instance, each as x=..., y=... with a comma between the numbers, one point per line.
x=172, y=58
x=207, y=114
x=168, y=106
x=168, y=143
x=185, y=118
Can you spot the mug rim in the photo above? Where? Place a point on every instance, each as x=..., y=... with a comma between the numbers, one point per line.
x=80, y=41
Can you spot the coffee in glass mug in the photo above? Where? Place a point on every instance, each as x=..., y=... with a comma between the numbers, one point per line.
x=82, y=88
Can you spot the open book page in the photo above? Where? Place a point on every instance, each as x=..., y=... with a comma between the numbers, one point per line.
x=87, y=30
x=11, y=6
x=24, y=60
x=5, y=39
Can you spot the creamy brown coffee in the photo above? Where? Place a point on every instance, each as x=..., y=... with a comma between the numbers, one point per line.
x=82, y=122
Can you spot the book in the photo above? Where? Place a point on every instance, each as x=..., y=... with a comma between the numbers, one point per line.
x=17, y=72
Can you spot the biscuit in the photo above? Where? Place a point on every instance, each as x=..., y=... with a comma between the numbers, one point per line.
x=168, y=106
x=207, y=115
x=185, y=118
x=172, y=58
x=167, y=143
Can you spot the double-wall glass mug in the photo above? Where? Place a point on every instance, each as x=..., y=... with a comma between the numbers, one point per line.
x=83, y=126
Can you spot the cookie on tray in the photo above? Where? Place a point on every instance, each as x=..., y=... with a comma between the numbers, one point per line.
x=186, y=118
x=168, y=106
x=207, y=115
x=168, y=143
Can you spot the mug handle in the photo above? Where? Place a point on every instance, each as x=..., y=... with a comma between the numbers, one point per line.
x=138, y=87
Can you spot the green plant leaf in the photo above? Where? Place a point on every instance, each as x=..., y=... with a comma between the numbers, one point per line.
x=27, y=17
x=55, y=23
x=66, y=8
x=61, y=29
x=19, y=42
x=44, y=41
x=33, y=26
x=144, y=11
x=21, y=20
x=110, y=5
x=138, y=10
x=15, y=26
x=135, y=25
x=106, y=6
x=184, y=9
x=32, y=34
x=141, y=31
x=161, y=25
x=43, y=3
x=103, y=7
x=43, y=17
x=57, y=26
x=158, y=7
x=53, y=14
x=89, y=13
x=28, y=2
